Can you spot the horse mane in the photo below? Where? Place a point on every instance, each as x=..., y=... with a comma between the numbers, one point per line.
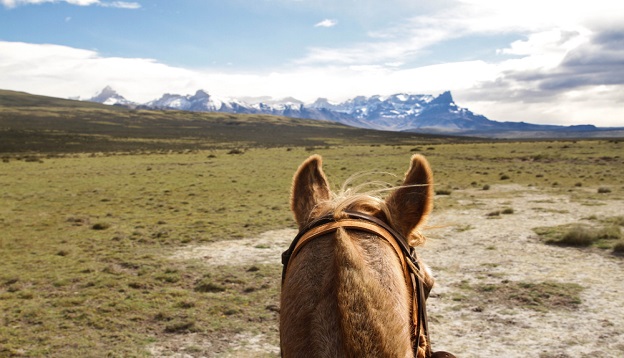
x=368, y=198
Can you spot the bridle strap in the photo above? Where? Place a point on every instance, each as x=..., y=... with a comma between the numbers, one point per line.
x=351, y=224
x=373, y=225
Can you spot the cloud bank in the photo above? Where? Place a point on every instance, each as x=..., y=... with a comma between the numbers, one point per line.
x=562, y=67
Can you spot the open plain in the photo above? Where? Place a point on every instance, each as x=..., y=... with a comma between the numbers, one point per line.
x=177, y=253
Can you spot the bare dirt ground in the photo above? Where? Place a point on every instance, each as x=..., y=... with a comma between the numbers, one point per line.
x=469, y=248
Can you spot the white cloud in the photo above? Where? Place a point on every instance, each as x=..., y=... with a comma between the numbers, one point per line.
x=62, y=71
x=326, y=23
x=556, y=58
x=409, y=38
x=115, y=4
x=122, y=5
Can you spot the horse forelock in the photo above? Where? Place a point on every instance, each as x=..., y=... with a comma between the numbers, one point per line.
x=371, y=202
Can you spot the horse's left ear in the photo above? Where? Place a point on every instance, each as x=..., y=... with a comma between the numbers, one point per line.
x=410, y=204
x=310, y=187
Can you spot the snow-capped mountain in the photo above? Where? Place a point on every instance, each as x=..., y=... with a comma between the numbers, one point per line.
x=201, y=101
x=401, y=112
x=398, y=112
x=110, y=97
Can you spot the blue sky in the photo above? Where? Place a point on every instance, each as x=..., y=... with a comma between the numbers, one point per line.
x=540, y=61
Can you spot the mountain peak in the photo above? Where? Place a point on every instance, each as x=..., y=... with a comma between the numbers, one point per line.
x=109, y=96
x=104, y=94
x=444, y=98
x=200, y=96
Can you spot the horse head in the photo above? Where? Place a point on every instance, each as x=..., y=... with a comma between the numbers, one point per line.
x=357, y=288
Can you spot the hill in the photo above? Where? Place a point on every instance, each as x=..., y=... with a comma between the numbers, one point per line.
x=46, y=124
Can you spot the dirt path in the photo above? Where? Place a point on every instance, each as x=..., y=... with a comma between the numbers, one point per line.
x=493, y=250
x=472, y=249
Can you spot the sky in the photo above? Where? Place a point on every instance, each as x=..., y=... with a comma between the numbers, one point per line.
x=538, y=61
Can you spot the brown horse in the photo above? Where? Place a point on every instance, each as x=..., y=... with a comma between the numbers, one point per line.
x=345, y=293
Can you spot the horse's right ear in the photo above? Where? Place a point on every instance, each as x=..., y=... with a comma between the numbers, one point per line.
x=309, y=188
x=410, y=204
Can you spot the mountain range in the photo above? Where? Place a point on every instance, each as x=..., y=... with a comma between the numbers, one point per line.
x=399, y=112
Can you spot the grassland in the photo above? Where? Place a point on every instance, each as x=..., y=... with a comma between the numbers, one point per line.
x=86, y=230
x=85, y=238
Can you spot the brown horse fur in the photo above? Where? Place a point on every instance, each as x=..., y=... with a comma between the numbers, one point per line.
x=344, y=294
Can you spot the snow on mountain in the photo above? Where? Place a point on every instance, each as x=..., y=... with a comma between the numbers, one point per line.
x=110, y=97
x=397, y=112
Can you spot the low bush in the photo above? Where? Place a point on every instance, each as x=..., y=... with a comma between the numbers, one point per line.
x=443, y=192
x=610, y=233
x=206, y=285
x=578, y=236
x=100, y=226
x=619, y=248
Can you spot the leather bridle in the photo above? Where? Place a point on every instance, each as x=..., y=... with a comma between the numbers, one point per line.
x=407, y=256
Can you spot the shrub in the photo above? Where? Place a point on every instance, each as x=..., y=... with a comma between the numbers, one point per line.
x=508, y=211
x=603, y=190
x=100, y=226
x=486, y=187
x=443, y=192
x=578, y=236
x=619, y=248
x=609, y=233
x=616, y=220
x=208, y=286
x=180, y=326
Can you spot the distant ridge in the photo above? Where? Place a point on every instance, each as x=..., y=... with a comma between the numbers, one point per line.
x=42, y=124
x=420, y=113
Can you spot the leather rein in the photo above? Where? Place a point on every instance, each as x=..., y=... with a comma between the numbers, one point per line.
x=407, y=256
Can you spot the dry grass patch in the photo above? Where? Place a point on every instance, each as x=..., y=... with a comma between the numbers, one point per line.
x=581, y=235
x=539, y=296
